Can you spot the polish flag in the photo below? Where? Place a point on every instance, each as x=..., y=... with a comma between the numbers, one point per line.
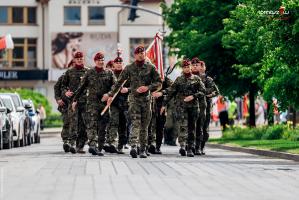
x=154, y=54
x=6, y=42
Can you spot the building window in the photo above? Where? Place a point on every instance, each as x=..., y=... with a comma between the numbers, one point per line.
x=23, y=55
x=3, y=15
x=18, y=15
x=96, y=15
x=31, y=11
x=72, y=15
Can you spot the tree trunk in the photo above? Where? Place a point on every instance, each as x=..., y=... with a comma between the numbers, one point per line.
x=252, y=91
x=294, y=117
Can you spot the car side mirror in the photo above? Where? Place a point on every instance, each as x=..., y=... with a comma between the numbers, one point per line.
x=20, y=109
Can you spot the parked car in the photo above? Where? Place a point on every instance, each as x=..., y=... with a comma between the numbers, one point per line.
x=6, y=135
x=34, y=120
x=20, y=122
x=25, y=119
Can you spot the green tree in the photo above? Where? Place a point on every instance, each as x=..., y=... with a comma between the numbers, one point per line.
x=266, y=47
x=197, y=30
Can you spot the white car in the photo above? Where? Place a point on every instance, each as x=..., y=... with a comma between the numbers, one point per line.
x=34, y=120
x=18, y=119
x=6, y=135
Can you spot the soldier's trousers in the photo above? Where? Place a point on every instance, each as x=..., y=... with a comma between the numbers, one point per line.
x=186, y=125
x=206, y=126
x=97, y=124
x=200, y=125
x=170, y=128
x=117, y=126
x=77, y=130
x=156, y=129
x=66, y=125
x=140, y=115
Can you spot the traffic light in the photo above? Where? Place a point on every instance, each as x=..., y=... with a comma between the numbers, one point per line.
x=132, y=14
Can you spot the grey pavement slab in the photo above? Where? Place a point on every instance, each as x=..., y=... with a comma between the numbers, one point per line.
x=44, y=171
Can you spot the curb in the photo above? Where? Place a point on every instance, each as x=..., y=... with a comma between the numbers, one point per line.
x=268, y=153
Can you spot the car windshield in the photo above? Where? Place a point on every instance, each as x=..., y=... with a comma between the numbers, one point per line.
x=8, y=104
x=16, y=100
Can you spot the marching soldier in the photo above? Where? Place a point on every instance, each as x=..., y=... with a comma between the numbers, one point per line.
x=119, y=112
x=187, y=89
x=211, y=91
x=109, y=64
x=62, y=102
x=98, y=81
x=156, y=128
x=71, y=82
x=202, y=110
x=143, y=79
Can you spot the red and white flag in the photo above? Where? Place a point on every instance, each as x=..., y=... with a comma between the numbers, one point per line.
x=6, y=42
x=154, y=54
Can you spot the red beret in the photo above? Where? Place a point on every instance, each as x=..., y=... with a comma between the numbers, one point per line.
x=118, y=59
x=195, y=60
x=78, y=54
x=98, y=56
x=186, y=62
x=139, y=49
x=109, y=64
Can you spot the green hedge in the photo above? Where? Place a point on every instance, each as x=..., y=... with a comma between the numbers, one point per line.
x=265, y=133
x=53, y=120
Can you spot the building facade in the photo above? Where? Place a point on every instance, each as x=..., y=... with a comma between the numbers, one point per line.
x=47, y=32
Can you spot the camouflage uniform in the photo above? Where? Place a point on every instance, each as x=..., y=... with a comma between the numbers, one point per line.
x=63, y=109
x=98, y=83
x=186, y=112
x=156, y=127
x=170, y=124
x=211, y=89
x=118, y=119
x=77, y=131
x=200, y=122
x=139, y=104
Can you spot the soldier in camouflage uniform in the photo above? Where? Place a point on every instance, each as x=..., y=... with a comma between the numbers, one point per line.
x=70, y=83
x=202, y=110
x=144, y=79
x=211, y=91
x=98, y=81
x=118, y=113
x=156, y=127
x=63, y=103
x=187, y=89
x=170, y=132
x=62, y=107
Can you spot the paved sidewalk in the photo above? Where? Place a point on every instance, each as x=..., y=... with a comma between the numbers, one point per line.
x=44, y=172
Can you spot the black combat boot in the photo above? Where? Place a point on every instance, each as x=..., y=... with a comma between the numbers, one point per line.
x=120, y=149
x=189, y=152
x=73, y=149
x=182, y=151
x=133, y=152
x=66, y=147
x=112, y=149
x=95, y=151
x=152, y=149
x=106, y=148
x=80, y=150
x=158, y=151
x=197, y=152
x=142, y=153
